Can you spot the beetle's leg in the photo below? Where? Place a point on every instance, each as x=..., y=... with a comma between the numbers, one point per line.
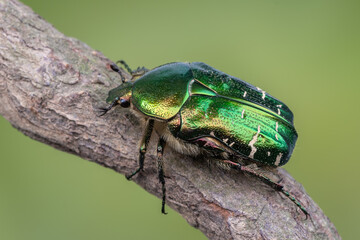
x=160, y=163
x=136, y=73
x=103, y=111
x=115, y=68
x=143, y=147
x=270, y=182
x=126, y=66
x=139, y=72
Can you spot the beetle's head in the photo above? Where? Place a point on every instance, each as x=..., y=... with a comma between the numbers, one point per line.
x=121, y=95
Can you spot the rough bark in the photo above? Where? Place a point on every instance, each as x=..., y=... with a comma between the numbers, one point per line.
x=50, y=89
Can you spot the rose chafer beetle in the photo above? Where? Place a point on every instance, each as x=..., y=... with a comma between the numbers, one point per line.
x=198, y=110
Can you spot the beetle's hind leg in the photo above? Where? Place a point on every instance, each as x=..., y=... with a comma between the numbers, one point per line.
x=268, y=181
x=160, y=164
x=143, y=147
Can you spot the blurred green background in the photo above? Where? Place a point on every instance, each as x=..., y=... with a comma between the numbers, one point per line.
x=306, y=53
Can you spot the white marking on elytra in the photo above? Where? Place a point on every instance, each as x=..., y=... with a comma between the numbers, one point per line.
x=212, y=134
x=276, y=136
x=268, y=153
x=225, y=140
x=252, y=142
x=231, y=144
x=262, y=91
x=277, y=126
x=244, y=94
x=278, y=158
x=190, y=86
x=242, y=113
x=279, y=106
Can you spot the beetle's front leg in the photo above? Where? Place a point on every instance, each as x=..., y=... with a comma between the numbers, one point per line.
x=115, y=68
x=103, y=111
x=143, y=147
x=134, y=73
x=160, y=164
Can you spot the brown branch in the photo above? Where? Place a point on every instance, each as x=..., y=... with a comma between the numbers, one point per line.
x=50, y=88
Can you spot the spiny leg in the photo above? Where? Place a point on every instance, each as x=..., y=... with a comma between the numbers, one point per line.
x=270, y=182
x=160, y=163
x=115, y=68
x=134, y=73
x=143, y=147
x=126, y=66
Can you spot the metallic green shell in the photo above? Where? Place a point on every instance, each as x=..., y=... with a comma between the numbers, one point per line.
x=199, y=101
x=161, y=92
x=235, y=88
x=249, y=131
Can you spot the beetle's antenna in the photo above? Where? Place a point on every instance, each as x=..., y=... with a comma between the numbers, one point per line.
x=103, y=111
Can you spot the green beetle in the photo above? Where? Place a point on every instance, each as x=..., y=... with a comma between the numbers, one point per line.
x=198, y=110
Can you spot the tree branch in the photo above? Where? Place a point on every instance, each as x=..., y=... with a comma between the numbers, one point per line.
x=50, y=89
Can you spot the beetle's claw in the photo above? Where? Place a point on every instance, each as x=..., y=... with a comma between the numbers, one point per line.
x=307, y=215
x=103, y=111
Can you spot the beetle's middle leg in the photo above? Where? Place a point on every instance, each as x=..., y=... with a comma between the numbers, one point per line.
x=143, y=147
x=160, y=164
x=268, y=181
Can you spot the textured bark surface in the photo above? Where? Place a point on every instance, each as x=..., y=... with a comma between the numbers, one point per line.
x=50, y=89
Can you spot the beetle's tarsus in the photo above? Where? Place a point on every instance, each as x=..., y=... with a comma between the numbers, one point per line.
x=270, y=182
x=126, y=66
x=160, y=163
x=128, y=177
x=143, y=147
x=163, y=208
x=293, y=199
x=115, y=68
x=103, y=111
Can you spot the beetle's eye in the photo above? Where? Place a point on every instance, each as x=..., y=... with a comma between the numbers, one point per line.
x=124, y=103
